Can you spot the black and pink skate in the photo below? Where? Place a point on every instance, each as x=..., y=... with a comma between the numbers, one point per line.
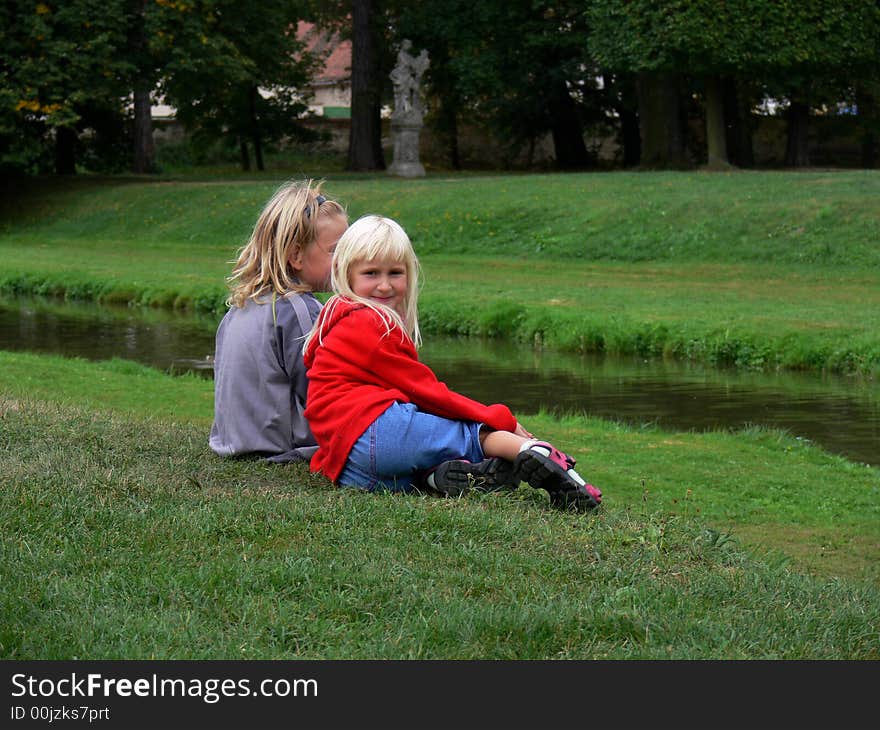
x=543, y=466
x=455, y=477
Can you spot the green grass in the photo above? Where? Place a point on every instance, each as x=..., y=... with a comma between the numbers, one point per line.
x=813, y=217
x=753, y=270
x=124, y=537
x=751, y=481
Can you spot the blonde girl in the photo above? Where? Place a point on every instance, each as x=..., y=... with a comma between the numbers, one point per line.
x=259, y=377
x=381, y=418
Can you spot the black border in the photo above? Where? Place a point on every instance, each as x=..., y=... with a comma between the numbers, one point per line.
x=467, y=693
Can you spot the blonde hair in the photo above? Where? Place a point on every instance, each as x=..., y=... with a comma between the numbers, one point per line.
x=288, y=222
x=374, y=238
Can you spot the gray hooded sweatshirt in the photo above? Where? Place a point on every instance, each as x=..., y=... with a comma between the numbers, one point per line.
x=260, y=380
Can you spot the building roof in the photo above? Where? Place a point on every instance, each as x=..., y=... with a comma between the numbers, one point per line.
x=336, y=52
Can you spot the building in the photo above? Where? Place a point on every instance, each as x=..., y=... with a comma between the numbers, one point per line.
x=331, y=87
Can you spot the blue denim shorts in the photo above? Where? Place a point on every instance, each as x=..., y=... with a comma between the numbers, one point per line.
x=403, y=442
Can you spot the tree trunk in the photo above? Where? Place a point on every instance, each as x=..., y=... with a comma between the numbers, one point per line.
x=568, y=134
x=454, y=152
x=797, y=153
x=632, y=141
x=622, y=97
x=739, y=129
x=245, y=156
x=716, y=132
x=144, y=148
x=868, y=121
x=256, y=135
x=445, y=123
x=365, y=135
x=65, y=151
x=447, y=126
x=258, y=151
x=660, y=121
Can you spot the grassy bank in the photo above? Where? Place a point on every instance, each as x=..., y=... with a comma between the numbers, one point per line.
x=756, y=270
x=125, y=537
x=768, y=488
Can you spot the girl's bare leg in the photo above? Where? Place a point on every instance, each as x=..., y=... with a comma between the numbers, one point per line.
x=501, y=443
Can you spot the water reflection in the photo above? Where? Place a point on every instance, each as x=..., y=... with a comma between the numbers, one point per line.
x=162, y=339
x=841, y=414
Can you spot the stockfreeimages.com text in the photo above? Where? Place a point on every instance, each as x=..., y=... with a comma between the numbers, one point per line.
x=209, y=690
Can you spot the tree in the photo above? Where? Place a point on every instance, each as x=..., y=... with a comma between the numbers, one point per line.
x=740, y=39
x=144, y=79
x=235, y=71
x=60, y=69
x=365, y=140
x=520, y=69
x=456, y=81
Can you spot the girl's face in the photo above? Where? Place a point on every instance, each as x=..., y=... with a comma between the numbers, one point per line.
x=380, y=281
x=312, y=265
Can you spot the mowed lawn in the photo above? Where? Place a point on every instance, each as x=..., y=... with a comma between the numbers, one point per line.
x=127, y=538
x=754, y=270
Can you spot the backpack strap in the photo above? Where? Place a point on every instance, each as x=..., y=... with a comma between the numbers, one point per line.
x=303, y=319
x=301, y=310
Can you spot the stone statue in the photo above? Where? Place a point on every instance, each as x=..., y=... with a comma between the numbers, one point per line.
x=409, y=110
x=406, y=77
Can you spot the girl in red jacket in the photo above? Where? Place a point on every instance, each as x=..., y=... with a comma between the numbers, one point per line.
x=381, y=418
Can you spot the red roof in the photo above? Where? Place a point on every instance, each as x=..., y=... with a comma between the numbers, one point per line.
x=337, y=53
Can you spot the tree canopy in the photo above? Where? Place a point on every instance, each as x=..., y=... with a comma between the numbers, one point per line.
x=785, y=44
x=61, y=68
x=76, y=77
x=231, y=69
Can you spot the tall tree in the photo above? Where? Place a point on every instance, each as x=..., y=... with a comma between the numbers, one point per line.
x=365, y=140
x=235, y=71
x=520, y=69
x=143, y=81
x=661, y=119
x=717, y=39
x=60, y=65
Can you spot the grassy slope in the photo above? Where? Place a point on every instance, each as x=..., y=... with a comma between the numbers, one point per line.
x=127, y=539
x=753, y=269
x=785, y=218
x=751, y=483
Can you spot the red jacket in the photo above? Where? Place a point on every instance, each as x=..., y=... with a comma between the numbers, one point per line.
x=356, y=370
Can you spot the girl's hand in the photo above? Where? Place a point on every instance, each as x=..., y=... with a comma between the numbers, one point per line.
x=520, y=431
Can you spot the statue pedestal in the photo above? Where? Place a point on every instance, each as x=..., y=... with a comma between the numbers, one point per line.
x=405, y=136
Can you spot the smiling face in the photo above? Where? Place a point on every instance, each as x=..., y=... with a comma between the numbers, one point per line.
x=312, y=265
x=381, y=281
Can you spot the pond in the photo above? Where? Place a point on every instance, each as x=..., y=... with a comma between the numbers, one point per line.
x=840, y=414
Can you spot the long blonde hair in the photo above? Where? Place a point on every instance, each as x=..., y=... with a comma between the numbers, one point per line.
x=374, y=238
x=288, y=222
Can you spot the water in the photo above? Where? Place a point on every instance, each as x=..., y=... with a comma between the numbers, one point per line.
x=840, y=414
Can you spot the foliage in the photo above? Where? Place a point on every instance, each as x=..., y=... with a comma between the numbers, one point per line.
x=521, y=68
x=741, y=37
x=234, y=70
x=801, y=51
x=61, y=68
x=231, y=69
